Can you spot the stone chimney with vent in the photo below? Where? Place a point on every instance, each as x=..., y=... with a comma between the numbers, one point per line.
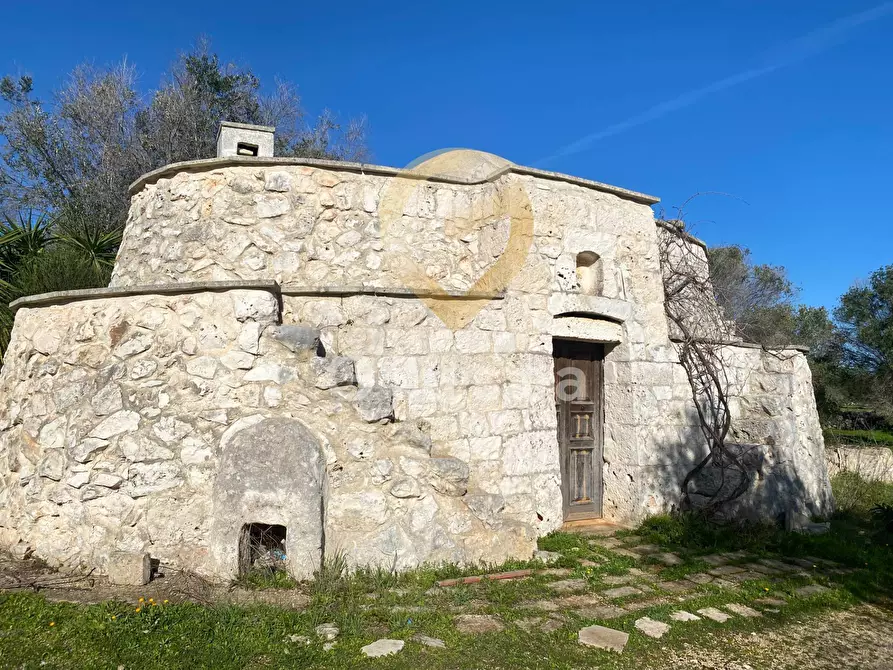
x=242, y=139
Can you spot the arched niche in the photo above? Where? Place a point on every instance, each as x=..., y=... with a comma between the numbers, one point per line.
x=590, y=273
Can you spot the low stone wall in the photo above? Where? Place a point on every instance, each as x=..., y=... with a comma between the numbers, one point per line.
x=870, y=463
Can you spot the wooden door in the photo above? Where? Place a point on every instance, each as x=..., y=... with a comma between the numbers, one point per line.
x=578, y=403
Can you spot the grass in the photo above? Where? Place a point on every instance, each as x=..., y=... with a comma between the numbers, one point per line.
x=859, y=438
x=373, y=603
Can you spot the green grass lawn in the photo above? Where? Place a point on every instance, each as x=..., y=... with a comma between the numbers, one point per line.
x=370, y=604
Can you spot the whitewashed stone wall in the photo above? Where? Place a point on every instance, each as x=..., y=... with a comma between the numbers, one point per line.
x=127, y=423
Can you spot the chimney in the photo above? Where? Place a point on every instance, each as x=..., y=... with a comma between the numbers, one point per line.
x=242, y=139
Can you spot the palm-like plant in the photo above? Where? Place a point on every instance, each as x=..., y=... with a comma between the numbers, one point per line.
x=40, y=253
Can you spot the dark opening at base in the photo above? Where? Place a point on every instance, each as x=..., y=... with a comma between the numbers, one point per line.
x=262, y=548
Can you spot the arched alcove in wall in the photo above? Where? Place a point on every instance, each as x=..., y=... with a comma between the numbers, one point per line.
x=590, y=275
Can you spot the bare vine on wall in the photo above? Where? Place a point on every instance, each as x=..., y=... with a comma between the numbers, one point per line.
x=701, y=334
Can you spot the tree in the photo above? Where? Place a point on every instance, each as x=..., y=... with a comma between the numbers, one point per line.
x=76, y=156
x=865, y=315
x=757, y=298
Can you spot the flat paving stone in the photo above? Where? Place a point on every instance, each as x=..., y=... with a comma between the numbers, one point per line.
x=714, y=614
x=777, y=565
x=545, y=605
x=383, y=648
x=429, y=641
x=538, y=623
x=823, y=561
x=556, y=572
x=679, y=586
x=627, y=553
x=735, y=555
x=631, y=539
x=700, y=578
x=601, y=637
x=569, y=585
x=743, y=610
x=650, y=575
x=762, y=569
x=579, y=600
x=643, y=549
x=811, y=590
x=682, y=615
x=724, y=583
x=667, y=558
x=622, y=592
x=606, y=542
x=639, y=605
x=652, y=628
x=476, y=624
x=771, y=602
x=802, y=562
x=586, y=563
x=616, y=580
x=604, y=612
x=725, y=570
x=747, y=576
x=714, y=559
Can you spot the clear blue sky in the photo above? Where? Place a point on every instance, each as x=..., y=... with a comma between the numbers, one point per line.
x=787, y=105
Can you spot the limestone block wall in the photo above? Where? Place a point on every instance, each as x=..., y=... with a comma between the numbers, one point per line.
x=164, y=423
x=870, y=463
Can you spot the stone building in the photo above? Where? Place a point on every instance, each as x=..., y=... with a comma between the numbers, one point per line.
x=363, y=359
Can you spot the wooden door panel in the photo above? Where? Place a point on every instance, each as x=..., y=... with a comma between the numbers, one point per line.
x=578, y=404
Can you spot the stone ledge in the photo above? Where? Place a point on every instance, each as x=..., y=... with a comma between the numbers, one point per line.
x=184, y=288
x=589, y=306
x=802, y=348
x=209, y=164
x=64, y=297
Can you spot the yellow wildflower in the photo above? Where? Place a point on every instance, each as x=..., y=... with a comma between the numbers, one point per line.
x=137, y=610
x=52, y=623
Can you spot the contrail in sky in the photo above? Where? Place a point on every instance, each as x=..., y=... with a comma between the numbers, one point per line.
x=790, y=53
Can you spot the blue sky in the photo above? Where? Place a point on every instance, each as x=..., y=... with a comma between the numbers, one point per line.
x=785, y=106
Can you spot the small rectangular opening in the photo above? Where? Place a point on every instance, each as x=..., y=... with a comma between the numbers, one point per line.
x=245, y=149
x=262, y=548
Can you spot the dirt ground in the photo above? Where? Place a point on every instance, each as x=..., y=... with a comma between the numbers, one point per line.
x=33, y=575
x=859, y=639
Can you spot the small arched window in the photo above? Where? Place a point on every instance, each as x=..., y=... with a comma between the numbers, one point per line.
x=589, y=273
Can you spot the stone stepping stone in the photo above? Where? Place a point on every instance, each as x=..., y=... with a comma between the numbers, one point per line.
x=569, y=585
x=556, y=572
x=777, y=565
x=382, y=648
x=604, y=612
x=811, y=590
x=736, y=555
x=762, y=569
x=652, y=628
x=627, y=553
x=682, y=615
x=802, y=562
x=643, y=604
x=603, y=638
x=429, y=641
x=714, y=559
x=747, y=576
x=586, y=563
x=714, y=614
x=823, y=562
x=477, y=624
x=616, y=580
x=646, y=549
x=622, y=592
x=642, y=574
x=545, y=605
x=580, y=600
x=679, y=586
x=668, y=558
x=771, y=602
x=699, y=578
x=538, y=623
x=606, y=542
x=725, y=570
x=631, y=539
x=743, y=610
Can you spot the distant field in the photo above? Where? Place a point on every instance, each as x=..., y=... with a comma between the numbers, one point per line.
x=868, y=438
